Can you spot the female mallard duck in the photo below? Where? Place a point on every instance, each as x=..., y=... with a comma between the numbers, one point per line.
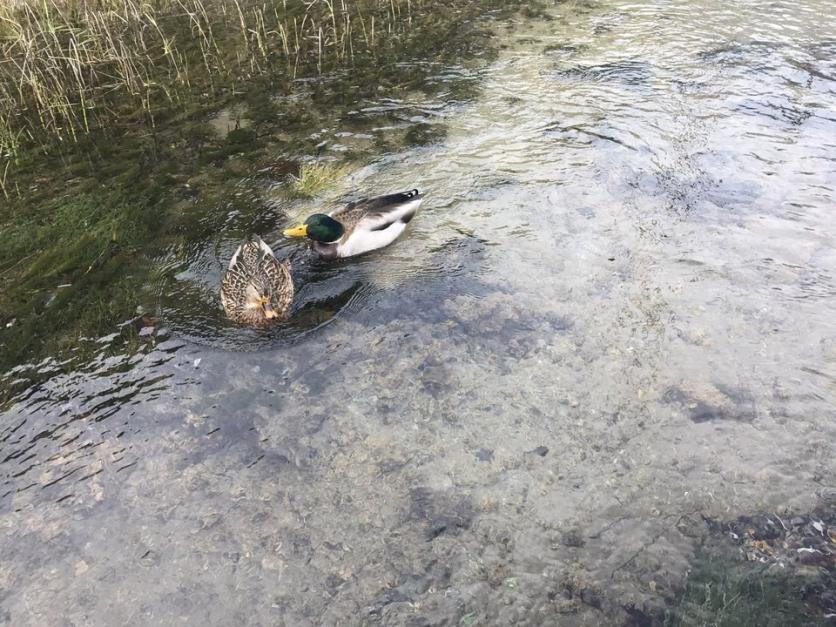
x=256, y=289
x=359, y=226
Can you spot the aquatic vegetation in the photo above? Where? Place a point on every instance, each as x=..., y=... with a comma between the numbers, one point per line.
x=763, y=570
x=422, y=134
x=724, y=591
x=315, y=177
x=69, y=67
x=108, y=158
x=71, y=262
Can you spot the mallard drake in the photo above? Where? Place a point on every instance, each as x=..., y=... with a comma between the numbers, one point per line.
x=359, y=226
x=256, y=289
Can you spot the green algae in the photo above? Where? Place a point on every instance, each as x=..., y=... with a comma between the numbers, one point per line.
x=423, y=134
x=79, y=279
x=725, y=591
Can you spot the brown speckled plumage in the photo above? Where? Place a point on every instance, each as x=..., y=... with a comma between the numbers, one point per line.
x=254, y=272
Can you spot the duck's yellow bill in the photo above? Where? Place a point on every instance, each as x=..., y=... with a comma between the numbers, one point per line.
x=297, y=231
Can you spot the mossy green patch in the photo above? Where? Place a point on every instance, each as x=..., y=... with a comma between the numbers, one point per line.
x=68, y=269
x=725, y=591
x=423, y=134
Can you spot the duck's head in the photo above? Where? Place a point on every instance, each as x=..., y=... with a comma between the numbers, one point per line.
x=318, y=227
x=258, y=301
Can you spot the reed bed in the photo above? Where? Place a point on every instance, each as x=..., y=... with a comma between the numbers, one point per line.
x=68, y=67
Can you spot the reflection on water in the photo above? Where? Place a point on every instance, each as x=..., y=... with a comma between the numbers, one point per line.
x=51, y=442
x=613, y=315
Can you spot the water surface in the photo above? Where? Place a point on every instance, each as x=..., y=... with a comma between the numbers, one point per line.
x=615, y=314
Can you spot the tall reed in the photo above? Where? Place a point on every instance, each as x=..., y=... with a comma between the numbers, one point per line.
x=70, y=66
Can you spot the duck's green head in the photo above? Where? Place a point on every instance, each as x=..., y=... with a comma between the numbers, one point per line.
x=318, y=227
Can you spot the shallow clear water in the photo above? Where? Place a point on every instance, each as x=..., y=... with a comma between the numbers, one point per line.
x=615, y=313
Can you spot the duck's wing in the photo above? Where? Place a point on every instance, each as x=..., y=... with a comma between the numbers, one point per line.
x=250, y=258
x=278, y=274
x=249, y=255
x=258, y=260
x=263, y=248
x=385, y=204
x=233, y=290
x=379, y=213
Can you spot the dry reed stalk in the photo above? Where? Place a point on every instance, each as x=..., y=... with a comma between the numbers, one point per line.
x=68, y=66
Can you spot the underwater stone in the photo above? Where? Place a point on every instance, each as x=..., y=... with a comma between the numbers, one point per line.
x=542, y=451
x=484, y=455
x=573, y=537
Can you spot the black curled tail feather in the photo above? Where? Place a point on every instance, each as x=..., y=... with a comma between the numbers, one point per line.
x=383, y=204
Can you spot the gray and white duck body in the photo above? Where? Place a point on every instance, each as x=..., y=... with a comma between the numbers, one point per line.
x=359, y=226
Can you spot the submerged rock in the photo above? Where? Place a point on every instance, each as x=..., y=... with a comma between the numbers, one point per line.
x=542, y=451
